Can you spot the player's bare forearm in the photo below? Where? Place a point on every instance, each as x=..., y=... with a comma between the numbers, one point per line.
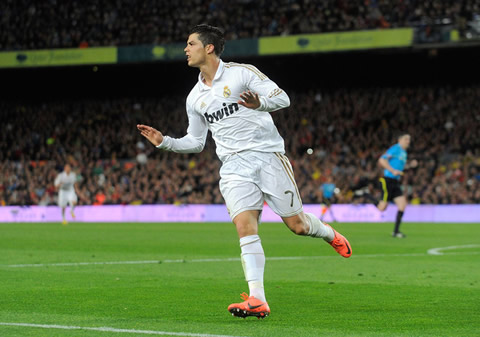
x=82, y=197
x=384, y=164
x=153, y=135
x=78, y=192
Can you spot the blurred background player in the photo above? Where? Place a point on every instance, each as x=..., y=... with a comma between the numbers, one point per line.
x=328, y=192
x=65, y=183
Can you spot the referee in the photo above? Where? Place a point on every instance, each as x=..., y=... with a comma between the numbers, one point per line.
x=394, y=162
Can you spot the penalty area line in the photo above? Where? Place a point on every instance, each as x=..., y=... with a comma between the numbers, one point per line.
x=108, y=329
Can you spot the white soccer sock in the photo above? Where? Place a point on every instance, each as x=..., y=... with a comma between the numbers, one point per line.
x=318, y=229
x=253, y=262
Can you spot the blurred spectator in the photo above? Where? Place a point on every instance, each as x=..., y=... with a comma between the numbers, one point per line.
x=28, y=24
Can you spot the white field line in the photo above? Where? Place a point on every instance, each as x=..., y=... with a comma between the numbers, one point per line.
x=439, y=251
x=107, y=329
x=433, y=251
x=274, y=258
x=69, y=264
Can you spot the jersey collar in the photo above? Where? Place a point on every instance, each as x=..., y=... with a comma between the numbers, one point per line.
x=218, y=74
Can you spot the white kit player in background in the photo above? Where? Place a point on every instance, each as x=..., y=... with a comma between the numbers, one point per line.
x=234, y=102
x=65, y=182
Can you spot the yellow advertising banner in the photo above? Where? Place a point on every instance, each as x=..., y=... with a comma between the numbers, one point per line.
x=328, y=42
x=58, y=57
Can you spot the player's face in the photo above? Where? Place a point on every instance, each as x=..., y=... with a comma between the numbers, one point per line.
x=404, y=141
x=67, y=169
x=195, y=51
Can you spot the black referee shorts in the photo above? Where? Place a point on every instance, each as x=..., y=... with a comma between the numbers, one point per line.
x=390, y=188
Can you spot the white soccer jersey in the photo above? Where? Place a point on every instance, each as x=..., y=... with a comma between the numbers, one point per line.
x=234, y=127
x=67, y=181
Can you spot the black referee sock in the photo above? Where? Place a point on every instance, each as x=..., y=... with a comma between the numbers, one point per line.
x=398, y=221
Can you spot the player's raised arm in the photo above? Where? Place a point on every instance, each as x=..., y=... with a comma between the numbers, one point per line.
x=263, y=93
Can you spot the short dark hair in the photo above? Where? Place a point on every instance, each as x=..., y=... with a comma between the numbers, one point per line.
x=402, y=134
x=210, y=35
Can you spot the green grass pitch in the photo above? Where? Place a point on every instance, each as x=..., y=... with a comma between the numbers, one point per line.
x=389, y=287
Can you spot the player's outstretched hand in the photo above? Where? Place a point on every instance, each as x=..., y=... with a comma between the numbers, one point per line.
x=250, y=100
x=153, y=135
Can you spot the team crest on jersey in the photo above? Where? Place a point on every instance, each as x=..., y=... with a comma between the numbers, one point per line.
x=203, y=105
x=226, y=91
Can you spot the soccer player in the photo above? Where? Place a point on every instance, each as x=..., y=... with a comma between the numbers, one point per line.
x=65, y=183
x=328, y=192
x=393, y=163
x=233, y=101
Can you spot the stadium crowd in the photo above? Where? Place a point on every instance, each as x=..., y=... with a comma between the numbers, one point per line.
x=28, y=24
x=348, y=129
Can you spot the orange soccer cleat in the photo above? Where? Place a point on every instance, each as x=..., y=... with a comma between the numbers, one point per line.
x=249, y=307
x=340, y=243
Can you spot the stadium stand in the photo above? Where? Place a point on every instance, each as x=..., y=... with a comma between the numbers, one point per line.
x=27, y=24
x=347, y=128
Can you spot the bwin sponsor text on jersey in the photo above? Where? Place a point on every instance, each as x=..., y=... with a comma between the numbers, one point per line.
x=226, y=111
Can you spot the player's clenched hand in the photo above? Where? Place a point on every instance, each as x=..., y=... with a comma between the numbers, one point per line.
x=153, y=135
x=397, y=172
x=250, y=100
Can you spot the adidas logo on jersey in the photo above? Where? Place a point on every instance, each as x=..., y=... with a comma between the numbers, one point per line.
x=219, y=114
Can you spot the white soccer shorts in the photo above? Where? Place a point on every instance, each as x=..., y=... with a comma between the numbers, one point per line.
x=66, y=197
x=250, y=178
